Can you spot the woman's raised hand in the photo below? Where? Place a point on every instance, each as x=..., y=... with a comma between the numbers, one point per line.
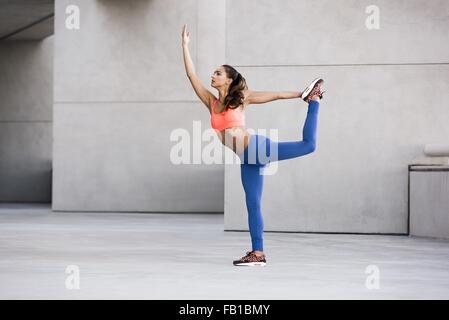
x=185, y=35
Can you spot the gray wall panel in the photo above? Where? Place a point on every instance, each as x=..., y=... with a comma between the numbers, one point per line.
x=126, y=64
x=26, y=80
x=264, y=32
x=116, y=157
x=25, y=161
x=26, y=101
x=123, y=51
x=371, y=124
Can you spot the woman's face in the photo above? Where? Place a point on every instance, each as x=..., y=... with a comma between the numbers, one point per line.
x=219, y=78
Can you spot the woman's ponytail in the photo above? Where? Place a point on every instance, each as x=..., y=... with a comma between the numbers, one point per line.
x=235, y=95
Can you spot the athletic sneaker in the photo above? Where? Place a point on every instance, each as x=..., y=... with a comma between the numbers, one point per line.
x=251, y=260
x=314, y=88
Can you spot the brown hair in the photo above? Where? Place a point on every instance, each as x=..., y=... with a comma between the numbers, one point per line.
x=235, y=95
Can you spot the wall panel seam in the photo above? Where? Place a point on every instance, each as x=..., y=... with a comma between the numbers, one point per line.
x=341, y=65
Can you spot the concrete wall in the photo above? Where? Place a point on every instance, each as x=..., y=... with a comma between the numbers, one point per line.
x=388, y=93
x=120, y=90
x=26, y=93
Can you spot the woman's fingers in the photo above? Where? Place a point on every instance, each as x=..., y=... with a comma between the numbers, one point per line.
x=185, y=34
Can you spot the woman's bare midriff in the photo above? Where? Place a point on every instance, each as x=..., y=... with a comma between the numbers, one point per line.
x=235, y=138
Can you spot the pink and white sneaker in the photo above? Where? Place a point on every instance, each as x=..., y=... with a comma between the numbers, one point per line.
x=251, y=260
x=314, y=88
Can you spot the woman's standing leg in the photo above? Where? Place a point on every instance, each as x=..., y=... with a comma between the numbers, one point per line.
x=252, y=182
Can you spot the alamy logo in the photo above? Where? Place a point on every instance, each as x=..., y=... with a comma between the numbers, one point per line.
x=372, y=22
x=72, y=21
x=73, y=280
x=189, y=149
x=372, y=281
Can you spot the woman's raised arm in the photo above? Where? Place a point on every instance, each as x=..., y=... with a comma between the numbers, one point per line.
x=205, y=95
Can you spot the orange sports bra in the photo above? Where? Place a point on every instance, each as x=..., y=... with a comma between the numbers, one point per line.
x=226, y=119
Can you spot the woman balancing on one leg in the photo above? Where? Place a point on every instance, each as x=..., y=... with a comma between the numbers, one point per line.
x=228, y=119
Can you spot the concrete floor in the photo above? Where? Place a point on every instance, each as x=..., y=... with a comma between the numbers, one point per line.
x=189, y=256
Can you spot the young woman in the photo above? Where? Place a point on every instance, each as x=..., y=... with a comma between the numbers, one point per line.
x=228, y=119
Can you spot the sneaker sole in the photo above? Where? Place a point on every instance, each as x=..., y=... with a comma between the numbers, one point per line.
x=309, y=88
x=250, y=264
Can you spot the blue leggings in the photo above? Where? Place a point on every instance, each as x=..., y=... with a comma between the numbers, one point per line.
x=252, y=179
